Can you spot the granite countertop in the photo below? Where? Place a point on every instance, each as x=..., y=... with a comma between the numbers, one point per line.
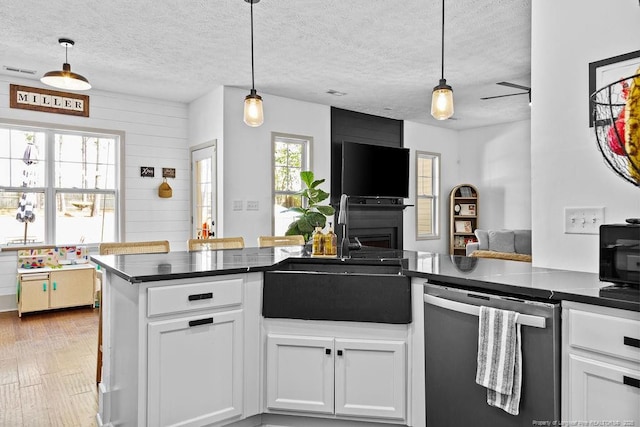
x=511, y=277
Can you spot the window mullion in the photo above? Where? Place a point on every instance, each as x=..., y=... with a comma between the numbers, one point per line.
x=50, y=196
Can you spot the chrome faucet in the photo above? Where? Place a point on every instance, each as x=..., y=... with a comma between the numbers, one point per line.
x=343, y=219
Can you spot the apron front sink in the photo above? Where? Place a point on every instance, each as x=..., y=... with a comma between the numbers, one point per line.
x=341, y=296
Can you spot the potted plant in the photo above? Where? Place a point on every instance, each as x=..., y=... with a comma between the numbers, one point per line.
x=312, y=213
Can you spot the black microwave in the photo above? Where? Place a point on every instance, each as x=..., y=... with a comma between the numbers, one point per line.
x=620, y=253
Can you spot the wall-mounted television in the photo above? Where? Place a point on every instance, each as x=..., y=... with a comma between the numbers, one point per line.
x=374, y=170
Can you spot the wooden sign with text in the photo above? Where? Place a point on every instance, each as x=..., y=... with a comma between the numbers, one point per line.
x=48, y=101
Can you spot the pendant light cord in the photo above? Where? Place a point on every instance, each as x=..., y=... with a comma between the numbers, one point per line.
x=252, y=76
x=442, y=53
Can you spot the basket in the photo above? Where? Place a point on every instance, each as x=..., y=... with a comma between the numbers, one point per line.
x=165, y=191
x=612, y=107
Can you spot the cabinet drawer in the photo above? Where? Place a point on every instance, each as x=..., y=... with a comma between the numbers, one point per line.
x=194, y=296
x=605, y=334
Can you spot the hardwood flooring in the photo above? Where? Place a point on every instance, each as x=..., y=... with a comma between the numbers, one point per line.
x=47, y=368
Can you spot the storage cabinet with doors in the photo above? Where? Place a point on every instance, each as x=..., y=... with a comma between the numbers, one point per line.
x=48, y=289
x=180, y=352
x=345, y=377
x=601, y=365
x=463, y=217
x=195, y=359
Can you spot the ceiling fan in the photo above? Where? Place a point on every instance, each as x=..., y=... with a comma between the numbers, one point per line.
x=515, y=86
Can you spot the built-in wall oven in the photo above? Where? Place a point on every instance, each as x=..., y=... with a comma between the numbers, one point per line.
x=451, y=346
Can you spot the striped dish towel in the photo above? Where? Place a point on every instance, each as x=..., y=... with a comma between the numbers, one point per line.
x=500, y=358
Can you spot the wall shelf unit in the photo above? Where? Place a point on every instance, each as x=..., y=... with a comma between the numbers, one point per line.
x=463, y=217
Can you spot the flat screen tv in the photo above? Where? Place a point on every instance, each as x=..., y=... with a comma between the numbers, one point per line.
x=375, y=170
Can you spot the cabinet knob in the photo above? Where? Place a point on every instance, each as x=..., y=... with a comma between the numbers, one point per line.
x=327, y=351
x=339, y=352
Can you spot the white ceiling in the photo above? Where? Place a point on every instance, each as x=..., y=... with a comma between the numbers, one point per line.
x=384, y=54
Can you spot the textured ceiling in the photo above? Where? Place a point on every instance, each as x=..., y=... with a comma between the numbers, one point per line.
x=384, y=54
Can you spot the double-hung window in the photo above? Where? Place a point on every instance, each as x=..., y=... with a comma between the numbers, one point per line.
x=290, y=157
x=57, y=186
x=427, y=195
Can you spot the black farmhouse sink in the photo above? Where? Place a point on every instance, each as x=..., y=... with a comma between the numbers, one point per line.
x=338, y=291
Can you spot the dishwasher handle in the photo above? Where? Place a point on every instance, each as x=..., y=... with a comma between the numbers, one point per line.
x=523, y=319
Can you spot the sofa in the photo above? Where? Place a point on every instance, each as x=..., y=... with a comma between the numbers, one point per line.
x=512, y=245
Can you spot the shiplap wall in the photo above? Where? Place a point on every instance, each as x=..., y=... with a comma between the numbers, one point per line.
x=155, y=134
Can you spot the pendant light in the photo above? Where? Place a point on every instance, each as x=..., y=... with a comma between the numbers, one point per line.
x=442, y=97
x=65, y=78
x=253, y=115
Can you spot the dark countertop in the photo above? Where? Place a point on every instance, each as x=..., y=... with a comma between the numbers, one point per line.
x=519, y=279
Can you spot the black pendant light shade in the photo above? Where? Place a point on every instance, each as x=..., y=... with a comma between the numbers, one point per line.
x=253, y=114
x=65, y=78
x=442, y=97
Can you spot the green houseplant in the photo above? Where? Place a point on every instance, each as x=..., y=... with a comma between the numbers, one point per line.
x=312, y=213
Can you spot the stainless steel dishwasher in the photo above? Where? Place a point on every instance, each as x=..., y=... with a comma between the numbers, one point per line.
x=451, y=345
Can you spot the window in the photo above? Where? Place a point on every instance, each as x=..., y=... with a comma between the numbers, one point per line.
x=290, y=157
x=427, y=195
x=57, y=187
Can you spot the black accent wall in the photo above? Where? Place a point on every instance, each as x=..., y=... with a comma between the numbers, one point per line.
x=368, y=221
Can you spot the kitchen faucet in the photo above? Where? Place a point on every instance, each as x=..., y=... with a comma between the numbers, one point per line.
x=343, y=219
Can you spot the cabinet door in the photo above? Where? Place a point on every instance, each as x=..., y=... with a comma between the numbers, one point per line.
x=34, y=294
x=71, y=288
x=597, y=392
x=195, y=369
x=370, y=378
x=300, y=373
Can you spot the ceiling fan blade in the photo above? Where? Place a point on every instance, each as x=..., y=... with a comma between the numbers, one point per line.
x=513, y=85
x=502, y=96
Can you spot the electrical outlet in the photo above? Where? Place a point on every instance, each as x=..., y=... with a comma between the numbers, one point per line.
x=583, y=220
x=237, y=205
x=253, y=205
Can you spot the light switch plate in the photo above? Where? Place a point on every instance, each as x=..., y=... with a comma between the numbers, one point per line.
x=237, y=205
x=253, y=205
x=583, y=220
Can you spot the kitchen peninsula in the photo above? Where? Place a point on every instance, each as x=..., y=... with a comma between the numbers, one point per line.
x=185, y=339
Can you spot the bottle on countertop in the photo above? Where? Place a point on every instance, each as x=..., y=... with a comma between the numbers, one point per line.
x=330, y=242
x=318, y=240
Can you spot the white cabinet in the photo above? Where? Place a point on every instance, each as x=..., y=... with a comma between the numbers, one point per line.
x=601, y=364
x=300, y=373
x=332, y=375
x=195, y=369
x=370, y=378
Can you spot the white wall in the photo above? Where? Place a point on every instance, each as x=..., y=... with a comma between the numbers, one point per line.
x=497, y=160
x=247, y=156
x=567, y=169
x=436, y=140
x=155, y=135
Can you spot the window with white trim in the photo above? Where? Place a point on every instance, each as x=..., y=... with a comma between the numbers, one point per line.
x=290, y=157
x=57, y=186
x=427, y=195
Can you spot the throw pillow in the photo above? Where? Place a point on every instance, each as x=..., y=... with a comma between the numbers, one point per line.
x=483, y=239
x=522, y=241
x=502, y=241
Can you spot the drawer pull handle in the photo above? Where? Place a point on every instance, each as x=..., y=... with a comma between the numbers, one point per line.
x=633, y=342
x=196, y=297
x=200, y=322
x=633, y=382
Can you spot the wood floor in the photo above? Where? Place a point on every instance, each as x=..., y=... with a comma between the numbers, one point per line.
x=48, y=368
